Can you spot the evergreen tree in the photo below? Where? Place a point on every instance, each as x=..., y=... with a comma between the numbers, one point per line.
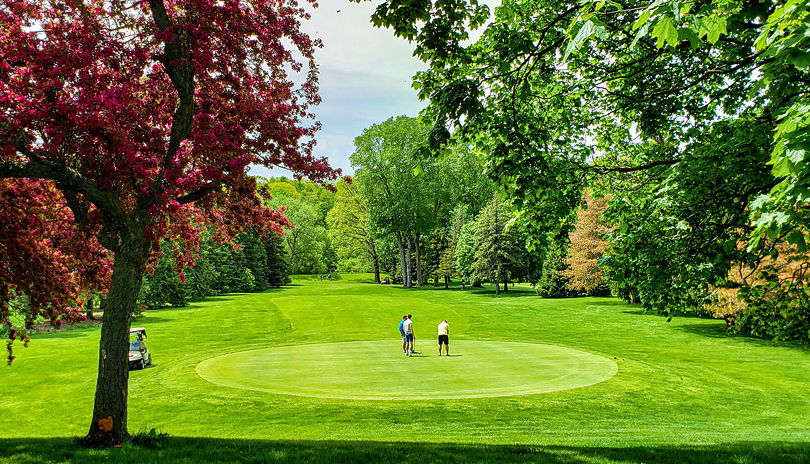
x=254, y=251
x=278, y=271
x=498, y=251
x=552, y=283
x=164, y=286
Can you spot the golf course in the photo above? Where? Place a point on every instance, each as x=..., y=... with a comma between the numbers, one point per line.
x=314, y=372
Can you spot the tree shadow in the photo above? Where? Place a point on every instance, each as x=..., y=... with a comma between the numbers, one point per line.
x=719, y=331
x=154, y=447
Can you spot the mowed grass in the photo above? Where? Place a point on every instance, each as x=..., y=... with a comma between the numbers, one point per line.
x=683, y=392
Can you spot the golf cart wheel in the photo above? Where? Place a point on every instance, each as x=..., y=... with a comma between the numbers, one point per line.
x=149, y=361
x=141, y=364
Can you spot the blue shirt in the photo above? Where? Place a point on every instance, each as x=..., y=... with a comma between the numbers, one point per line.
x=400, y=326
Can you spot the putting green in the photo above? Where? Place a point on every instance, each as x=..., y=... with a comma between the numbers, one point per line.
x=375, y=370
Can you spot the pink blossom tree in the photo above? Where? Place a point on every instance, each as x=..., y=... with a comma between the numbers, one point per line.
x=145, y=116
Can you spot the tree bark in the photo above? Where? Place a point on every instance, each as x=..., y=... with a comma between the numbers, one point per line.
x=109, y=424
x=408, y=263
x=376, y=259
x=401, y=246
x=497, y=288
x=447, y=282
x=419, y=280
x=89, y=309
x=505, y=286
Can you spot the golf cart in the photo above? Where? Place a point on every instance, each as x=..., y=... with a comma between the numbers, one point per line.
x=139, y=355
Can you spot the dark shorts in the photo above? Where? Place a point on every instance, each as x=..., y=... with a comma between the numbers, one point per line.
x=444, y=339
x=409, y=337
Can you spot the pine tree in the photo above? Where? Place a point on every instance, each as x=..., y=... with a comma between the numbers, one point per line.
x=497, y=250
x=278, y=271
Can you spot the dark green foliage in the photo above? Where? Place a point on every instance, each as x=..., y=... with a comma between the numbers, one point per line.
x=164, y=286
x=552, y=282
x=680, y=232
x=255, y=253
x=778, y=308
x=499, y=250
x=278, y=273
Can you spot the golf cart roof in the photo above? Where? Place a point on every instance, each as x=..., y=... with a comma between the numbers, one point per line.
x=137, y=329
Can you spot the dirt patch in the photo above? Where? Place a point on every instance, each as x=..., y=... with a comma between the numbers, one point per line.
x=46, y=327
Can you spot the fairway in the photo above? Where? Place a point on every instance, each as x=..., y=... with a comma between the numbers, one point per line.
x=375, y=370
x=314, y=372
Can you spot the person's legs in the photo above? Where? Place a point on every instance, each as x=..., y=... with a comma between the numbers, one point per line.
x=447, y=348
x=440, y=346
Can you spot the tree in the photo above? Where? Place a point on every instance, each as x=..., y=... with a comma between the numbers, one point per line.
x=44, y=257
x=278, y=271
x=498, y=252
x=349, y=226
x=586, y=246
x=398, y=202
x=145, y=118
x=623, y=95
x=163, y=285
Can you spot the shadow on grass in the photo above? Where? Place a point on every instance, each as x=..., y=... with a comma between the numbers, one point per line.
x=206, y=450
x=719, y=331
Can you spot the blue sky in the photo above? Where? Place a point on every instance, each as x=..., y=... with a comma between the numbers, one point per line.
x=365, y=78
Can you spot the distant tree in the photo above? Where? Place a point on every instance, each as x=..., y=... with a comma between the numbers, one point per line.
x=278, y=271
x=350, y=229
x=398, y=200
x=201, y=276
x=164, y=285
x=552, y=283
x=498, y=252
x=255, y=253
x=465, y=254
x=587, y=245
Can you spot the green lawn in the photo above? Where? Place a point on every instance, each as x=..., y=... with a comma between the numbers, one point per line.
x=682, y=391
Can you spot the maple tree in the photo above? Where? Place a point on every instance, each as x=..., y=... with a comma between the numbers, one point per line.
x=145, y=117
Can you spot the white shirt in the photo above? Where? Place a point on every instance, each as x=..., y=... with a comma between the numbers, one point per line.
x=407, y=326
x=444, y=328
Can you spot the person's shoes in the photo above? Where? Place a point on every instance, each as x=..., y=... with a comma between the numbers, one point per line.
x=440, y=355
x=410, y=356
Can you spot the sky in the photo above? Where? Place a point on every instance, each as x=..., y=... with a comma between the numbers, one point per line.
x=365, y=78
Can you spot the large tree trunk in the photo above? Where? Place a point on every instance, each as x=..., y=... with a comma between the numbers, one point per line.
x=419, y=280
x=446, y=282
x=109, y=424
x=402, y=258
x=505, y=285
x=376, y=259
x=497, y=287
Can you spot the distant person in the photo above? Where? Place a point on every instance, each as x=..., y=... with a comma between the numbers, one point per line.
x=444, y=337
x=407, y=327
x=329, y=277
x=404, y=338
x=321, y=276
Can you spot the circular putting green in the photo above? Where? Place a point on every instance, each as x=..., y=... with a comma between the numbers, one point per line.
x=376, y=370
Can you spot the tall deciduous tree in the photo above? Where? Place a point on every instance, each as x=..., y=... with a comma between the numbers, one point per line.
x=145, y=116
x=349, y=226
x=399, y=204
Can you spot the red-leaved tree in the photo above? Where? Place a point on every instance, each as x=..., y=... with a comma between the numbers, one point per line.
x=45, y=256
x=145, y=116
